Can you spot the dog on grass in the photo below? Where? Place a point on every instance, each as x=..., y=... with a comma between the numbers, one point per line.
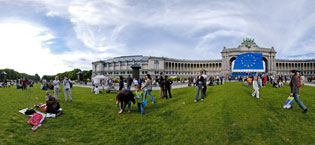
x=123, y=97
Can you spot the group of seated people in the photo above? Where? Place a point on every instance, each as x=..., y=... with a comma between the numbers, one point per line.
x=47, y=86
x=95, y=90
x=278, y=84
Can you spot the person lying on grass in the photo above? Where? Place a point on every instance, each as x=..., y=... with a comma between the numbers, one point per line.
x=125, y=97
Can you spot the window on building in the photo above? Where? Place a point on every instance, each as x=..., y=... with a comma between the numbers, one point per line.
x=144, y=62
x=156, y=64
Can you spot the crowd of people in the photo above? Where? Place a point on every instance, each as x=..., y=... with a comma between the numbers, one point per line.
x=296, y=81
x=144, y=86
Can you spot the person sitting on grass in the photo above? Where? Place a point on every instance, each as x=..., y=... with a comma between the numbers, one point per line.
x=139, y=98
x=275, y=85
x=52, y=104
x=97, y=90
x=281, y=85
x=125, y=97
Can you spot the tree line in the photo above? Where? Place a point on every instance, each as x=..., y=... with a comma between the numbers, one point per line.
x=13, y=75
x=86, y=75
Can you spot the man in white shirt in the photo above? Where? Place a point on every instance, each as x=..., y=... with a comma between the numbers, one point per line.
x=66, y=88
x=56, y=84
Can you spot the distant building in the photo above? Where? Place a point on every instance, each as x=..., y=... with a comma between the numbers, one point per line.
x=184, y=68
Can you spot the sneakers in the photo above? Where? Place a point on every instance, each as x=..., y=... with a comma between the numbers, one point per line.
x=195, y=101
x=201, y=99
x=304, y=111
x=34, y=128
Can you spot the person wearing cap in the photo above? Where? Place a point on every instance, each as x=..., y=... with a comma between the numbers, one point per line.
x=295, y=86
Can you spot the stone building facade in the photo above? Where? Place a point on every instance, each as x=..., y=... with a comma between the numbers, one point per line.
x=183, y=68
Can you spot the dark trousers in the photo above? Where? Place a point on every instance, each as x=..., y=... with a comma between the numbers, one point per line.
x=140, y=108
x=167, y=90
x=204, y=90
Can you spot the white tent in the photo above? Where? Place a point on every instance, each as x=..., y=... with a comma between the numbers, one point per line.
x=97, y=79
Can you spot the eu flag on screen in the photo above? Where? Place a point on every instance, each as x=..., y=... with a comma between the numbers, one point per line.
x=249, y=62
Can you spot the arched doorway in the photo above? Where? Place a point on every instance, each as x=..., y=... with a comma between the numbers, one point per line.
x=265, y=64
x=231, y=63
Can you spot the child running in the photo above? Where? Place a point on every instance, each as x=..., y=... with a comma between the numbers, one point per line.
x=139, y=98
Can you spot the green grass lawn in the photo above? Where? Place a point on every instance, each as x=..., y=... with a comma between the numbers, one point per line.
x=228, y=115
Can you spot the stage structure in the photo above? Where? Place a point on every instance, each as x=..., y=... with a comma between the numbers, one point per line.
x=248, y=63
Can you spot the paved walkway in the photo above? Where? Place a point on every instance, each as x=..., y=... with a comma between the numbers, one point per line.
x=309, y=84
x=174, y=86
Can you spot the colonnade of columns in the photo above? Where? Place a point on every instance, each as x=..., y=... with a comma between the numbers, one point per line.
x=306, y=67
x=185, y=66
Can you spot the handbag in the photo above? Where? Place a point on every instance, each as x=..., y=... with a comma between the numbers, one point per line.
x=145, y=102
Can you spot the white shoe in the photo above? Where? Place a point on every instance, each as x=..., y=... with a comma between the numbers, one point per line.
x=195, y=101
x=201, y=99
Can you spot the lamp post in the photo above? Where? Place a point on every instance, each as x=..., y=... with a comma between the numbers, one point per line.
x=78, y=76
x=4, y=75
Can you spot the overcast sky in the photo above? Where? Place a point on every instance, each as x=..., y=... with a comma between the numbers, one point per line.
x=52, y=36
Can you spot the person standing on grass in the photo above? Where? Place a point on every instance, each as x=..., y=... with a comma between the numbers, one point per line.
x=264, y=80
x=66, y=88
x=56, y=84
x=302, y=80
x=24, y=82
x=204, y=90
x=148, y=88
x=295, y=87
x=139, y=98
x=129, y=82
x=259, y=81
x=161, y=85
x=121, y=83
x=110, y=83
x=167, y=87
x=256, y=88
x=135, y=82
x=199, y=84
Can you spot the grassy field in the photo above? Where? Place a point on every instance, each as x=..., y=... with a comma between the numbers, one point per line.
x=228, y=115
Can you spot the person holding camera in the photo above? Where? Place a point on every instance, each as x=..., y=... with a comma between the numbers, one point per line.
x=66, y=88
x=56, y=84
